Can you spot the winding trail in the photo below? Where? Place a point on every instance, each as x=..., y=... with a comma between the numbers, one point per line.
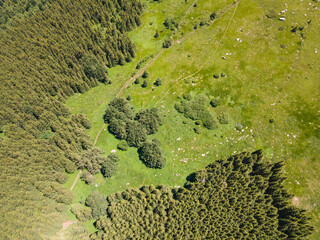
x=150, y=62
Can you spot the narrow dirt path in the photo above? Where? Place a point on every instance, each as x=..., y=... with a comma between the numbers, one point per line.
x=143, y=69
x=183, y=38
x=176, y=82
x=77, y=178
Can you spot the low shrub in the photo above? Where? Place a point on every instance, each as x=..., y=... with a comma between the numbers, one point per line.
x=123, y=145
x=223, y=118
x=215, y=102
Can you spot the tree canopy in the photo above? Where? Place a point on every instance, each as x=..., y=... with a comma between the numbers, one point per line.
x=241, y=197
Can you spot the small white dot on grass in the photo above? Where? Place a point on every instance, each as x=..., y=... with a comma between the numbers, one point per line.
x=113, y=151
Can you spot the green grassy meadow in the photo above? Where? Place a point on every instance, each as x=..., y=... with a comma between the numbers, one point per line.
x=271, y=73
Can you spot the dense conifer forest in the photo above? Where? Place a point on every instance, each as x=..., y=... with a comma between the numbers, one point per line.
x=45, y=58
x=241, y=197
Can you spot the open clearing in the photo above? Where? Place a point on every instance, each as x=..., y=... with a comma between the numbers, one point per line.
x=271, y=73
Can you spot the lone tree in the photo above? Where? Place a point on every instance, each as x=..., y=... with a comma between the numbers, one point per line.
x=158, y=82
x=215, y=102
x=151, y=154
x=157, y=34
x=123, y=145
x=145, y=74
x=213, y=15
x=167, y=43
x=144, y=84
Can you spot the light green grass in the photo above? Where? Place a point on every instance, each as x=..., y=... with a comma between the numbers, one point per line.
x=263, y=81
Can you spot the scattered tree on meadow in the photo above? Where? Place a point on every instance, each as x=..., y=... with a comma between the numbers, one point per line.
x=158, y=82
x=110, y=165
x=150, y=153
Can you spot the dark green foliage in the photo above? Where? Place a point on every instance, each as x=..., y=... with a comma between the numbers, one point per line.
x=88, y=178
x=151, y=155
x=91, y=160
x=158, y=82
x=215, y=102
x=125, y=125
x=187, y=96
x=213, y=15
x=81, y=212
x=119, y=108
x=93, y=68
x=144, y=84
x=145, y=74
x=216, y=75
x=137, y=81
x=110, y=165
x=179, y=107
x=83, y=120
x=198, y=122
x=136, y=133
x=123, y=145
x=98, y=204
x=170, y=23
x=223, y=118
x=241, y=197
x=150, y=119
x=195, y=110
x=167, y=43
x=117, y=127
x=157, y=34
x=197, y=130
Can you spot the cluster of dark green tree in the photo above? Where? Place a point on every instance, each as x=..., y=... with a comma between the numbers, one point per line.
x=241, y=197
x=196, y=109
x=94, y=162
x=45, y=59
x=93, y=207
x=133, y=127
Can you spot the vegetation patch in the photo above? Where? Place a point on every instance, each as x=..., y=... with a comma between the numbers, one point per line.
x=132, y=129
x=242, y=196
x=196, y=110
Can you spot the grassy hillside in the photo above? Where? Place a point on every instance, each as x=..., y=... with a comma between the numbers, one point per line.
x=270, y=92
